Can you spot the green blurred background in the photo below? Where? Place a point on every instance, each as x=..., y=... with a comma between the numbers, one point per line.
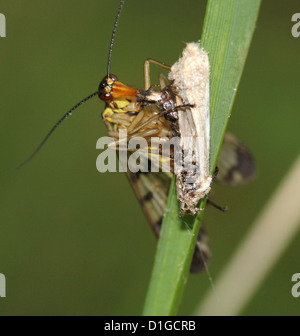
x=74, y=241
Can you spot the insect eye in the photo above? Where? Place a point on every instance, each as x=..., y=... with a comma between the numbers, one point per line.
x=103, y=84
x=106, y=86
x=113, y=77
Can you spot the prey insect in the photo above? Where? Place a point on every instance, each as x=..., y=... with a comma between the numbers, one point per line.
x=168, y=112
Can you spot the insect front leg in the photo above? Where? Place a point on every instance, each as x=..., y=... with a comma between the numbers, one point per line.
x=147, y=70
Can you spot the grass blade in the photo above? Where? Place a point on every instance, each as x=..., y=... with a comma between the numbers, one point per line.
x=227, y=33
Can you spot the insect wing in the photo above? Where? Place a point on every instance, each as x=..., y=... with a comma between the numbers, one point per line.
x=235, y=163
x=152, y=191
x=151, y=188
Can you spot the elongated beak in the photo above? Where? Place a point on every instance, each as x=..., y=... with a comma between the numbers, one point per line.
x=121, y=90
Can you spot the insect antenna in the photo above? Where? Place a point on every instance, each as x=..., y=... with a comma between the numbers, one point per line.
x=83, y=100
x=65, y=116
x=113, y=37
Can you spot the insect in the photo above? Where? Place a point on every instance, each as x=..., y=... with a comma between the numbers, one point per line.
x=140, y=118
x=185, y=102
x=164, y=113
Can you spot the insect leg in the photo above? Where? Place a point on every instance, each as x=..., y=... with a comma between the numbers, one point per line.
x=223, y=209
x=216, y=172
x=156, y=116
x=147, y=70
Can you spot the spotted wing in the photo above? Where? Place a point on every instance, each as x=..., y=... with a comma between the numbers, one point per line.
x=235, y=163
x=152, y=191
